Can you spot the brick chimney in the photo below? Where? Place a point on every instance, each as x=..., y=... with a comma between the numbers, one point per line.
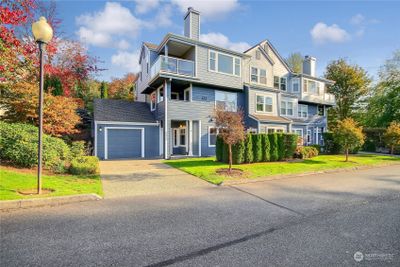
x=192, y=24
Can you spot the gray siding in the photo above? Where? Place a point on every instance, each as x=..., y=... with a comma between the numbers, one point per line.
x=195, y=26
x=215, y=78
x=151, y=134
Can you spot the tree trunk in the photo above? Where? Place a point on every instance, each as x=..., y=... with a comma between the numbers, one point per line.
x=230, y=157
x=347, y=154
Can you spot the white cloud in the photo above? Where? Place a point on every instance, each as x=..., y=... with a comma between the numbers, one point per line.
x=98, y=28
x=144, y=6
x=126, y=60
x=123, y=44
x=208, y=9
x=221, y=40
x=322, y=33
x=357, y=19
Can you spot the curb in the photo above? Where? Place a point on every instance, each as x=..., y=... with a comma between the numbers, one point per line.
x=6, y=205
x=279, y=177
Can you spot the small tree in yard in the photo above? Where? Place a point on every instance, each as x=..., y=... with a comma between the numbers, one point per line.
x=349, y=135
x=392, y=136
x=231, y=129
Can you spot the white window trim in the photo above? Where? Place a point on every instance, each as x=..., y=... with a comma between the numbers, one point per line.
x=190, y=94
x=216, y=63
x=225, y=92
x=296, y=80
x=178, y=130
x=276, y=128
x=265, y=112
x=208, y=133
x=286, y=108
x=159, y=95
x=301, y=111
x=123, y=128
x=258, y=76
x=298, y=129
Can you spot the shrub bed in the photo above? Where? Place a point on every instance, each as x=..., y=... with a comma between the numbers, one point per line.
x=259, y=148
x=306, y=152
x=84, y=165
x=19, y=144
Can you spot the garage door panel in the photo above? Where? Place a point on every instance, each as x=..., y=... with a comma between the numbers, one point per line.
x=124, y=143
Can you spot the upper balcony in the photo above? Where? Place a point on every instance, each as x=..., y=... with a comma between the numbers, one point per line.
x=173, y=65
x=324, y=98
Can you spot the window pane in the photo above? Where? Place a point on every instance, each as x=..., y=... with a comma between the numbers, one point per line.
x=212, y=60
x=276, y=82
x=290, y=108
x=226, y=100
x=260, y=103
x=237, y=66
x=225, y=64
x=305, y=86
x=283, y=84
x=254, y=75
x=213, y=136
x=268, y=108
x=283, y=107
x=263, y=76
x=182, y=137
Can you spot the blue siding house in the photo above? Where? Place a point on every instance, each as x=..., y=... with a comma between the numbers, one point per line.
x=181, y=82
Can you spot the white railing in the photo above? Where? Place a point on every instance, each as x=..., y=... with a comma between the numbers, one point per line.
x=172, y=65
x=322, y=98
x=329, y=98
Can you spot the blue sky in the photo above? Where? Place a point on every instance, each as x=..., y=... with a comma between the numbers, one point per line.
x=366, y=33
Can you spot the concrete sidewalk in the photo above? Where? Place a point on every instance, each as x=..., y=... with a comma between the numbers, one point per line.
x=127, y=178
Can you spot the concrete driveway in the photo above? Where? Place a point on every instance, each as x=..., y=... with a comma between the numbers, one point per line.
x=127, y=178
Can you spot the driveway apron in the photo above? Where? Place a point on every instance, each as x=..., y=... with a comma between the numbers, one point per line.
x=127, y=178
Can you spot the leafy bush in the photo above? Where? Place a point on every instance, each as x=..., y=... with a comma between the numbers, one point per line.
x=273, y=141
x=281, y=146
x=248, y=149
x=257, y=147
x=238, y=153
x=218, y=148
x=290, y=145
x=318, y=147
x=265, y=148
x=369, y=146
x=19, y=144
x=78, y=149
x=306, y=152
x=331, y=146
x=84, y=165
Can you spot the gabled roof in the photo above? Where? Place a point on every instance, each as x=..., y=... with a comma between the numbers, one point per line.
x=122, y=110
x=273, y=49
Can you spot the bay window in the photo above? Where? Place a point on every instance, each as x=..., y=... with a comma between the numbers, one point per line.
x=224, y=63
x=226, y=101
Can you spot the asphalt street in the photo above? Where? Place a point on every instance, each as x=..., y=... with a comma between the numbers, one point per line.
x=315, y=220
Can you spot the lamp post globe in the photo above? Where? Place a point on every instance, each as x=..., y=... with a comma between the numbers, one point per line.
x=42, y=33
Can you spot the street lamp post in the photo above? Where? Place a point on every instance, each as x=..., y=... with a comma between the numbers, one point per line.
x=42, y=32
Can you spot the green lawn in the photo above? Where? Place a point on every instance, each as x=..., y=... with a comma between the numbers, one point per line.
x=12, y=180
x=205, y=168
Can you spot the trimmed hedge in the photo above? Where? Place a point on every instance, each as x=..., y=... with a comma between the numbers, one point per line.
x=238, y=153
x=281, y=146
x=259, y=148
x=218, y=148
x=248, y=149
x=19, y=144
x=330, y=145
x=265, y=148
x=273, y=141
x=290, y=145
x=84, y=165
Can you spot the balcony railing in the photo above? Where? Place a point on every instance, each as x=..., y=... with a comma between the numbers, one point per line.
x=172, y=65
x=319, y=98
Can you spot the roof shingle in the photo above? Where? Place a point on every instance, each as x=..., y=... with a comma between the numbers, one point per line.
x=122, y=110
